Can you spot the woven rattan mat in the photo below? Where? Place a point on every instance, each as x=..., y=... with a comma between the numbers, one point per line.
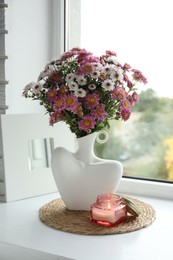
x=56, y=215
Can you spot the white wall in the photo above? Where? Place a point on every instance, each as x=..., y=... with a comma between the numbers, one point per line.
x=29, y=48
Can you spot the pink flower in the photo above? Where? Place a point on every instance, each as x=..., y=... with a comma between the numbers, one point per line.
x=78, y=111
x=110, y=53
x=58, y=104
x=126, y=104
x=138, y=76
x=89, y=59
x=62, y=90
x=70, y=102
x=125, y=114
x=92, y=100
x=85, y=91
x=119, y=93
x=100, y=112
x=135, y=97
x=129, y=83
x=87, y=123
x=86, y=68
x=51, y=95
x=54, y=118
x=126, y=66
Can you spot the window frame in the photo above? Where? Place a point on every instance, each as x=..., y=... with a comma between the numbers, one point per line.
x=153, y=188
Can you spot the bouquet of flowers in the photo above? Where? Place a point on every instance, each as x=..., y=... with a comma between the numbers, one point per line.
x=86, y=91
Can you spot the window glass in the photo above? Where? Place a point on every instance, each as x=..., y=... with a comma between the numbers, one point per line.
x=141, y=35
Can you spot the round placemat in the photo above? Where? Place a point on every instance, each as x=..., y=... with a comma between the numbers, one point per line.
x=56, y=215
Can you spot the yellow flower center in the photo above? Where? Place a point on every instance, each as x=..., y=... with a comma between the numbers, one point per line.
x=126, y=104
x=59, y=103
x=62, y=90
x=69, y=101
x=52, y=94
x=87, y=122
x=88, y=68
x=116, y=92
x=92, y=100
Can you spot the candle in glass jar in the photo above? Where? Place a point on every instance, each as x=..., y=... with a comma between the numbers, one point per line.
x=109, y=210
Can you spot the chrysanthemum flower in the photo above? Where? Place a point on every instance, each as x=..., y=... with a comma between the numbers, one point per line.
x=54, y=118
x=51, y=95
x=49, y=70
x=117, y=74
x=70, y=77
x=97, y=66
x=125, y=114
x=107, y=69
x=92, y=100
x=113, y=60
x=119, y=93
x=100, y=112
x=62, y=90
x=92, y=86
x=138, y=76
x=127, y=80
x=73, y=86
x=55, y=77
x=70, y=102
x=78, y=111
x=85, y=68
x=27, y=89
x=95, y=74
x=36, y=88
x=58, y=104
x=126, y=104
x=87, y=123
x=84, y=90
x=135, y=97
x=110, y=53
x=81, y=80
x=108, y=84
x=80, y=92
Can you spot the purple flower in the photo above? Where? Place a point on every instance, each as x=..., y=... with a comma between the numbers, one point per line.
x=87, y=123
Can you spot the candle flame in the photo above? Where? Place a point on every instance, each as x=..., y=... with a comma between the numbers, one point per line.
x=109, y=205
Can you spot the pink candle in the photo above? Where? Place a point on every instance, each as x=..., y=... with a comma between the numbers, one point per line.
x=109, y=210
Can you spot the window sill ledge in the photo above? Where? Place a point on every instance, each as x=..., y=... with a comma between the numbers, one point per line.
x=147, y=188
x=23, y=235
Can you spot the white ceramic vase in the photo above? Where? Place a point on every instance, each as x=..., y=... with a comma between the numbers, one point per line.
x=81, y=176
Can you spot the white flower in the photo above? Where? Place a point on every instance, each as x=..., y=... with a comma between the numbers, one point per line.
x=49, y=64
x=81, y=80
x=108, y=84
x=113, y=60
x=46, y=73
x=70, y=77
x=97, y=66
x=92, y=86
x=117, y=74
x=95, y=74
x=107, y=69
x=37, y=87
x=73, y=86
x=80, y=92
x=27, y=88
x=42, y=75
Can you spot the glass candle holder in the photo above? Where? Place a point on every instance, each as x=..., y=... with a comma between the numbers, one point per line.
x=109, y=210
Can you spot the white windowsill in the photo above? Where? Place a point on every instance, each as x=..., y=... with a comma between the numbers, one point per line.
x=147, y=188
x=24, y=236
